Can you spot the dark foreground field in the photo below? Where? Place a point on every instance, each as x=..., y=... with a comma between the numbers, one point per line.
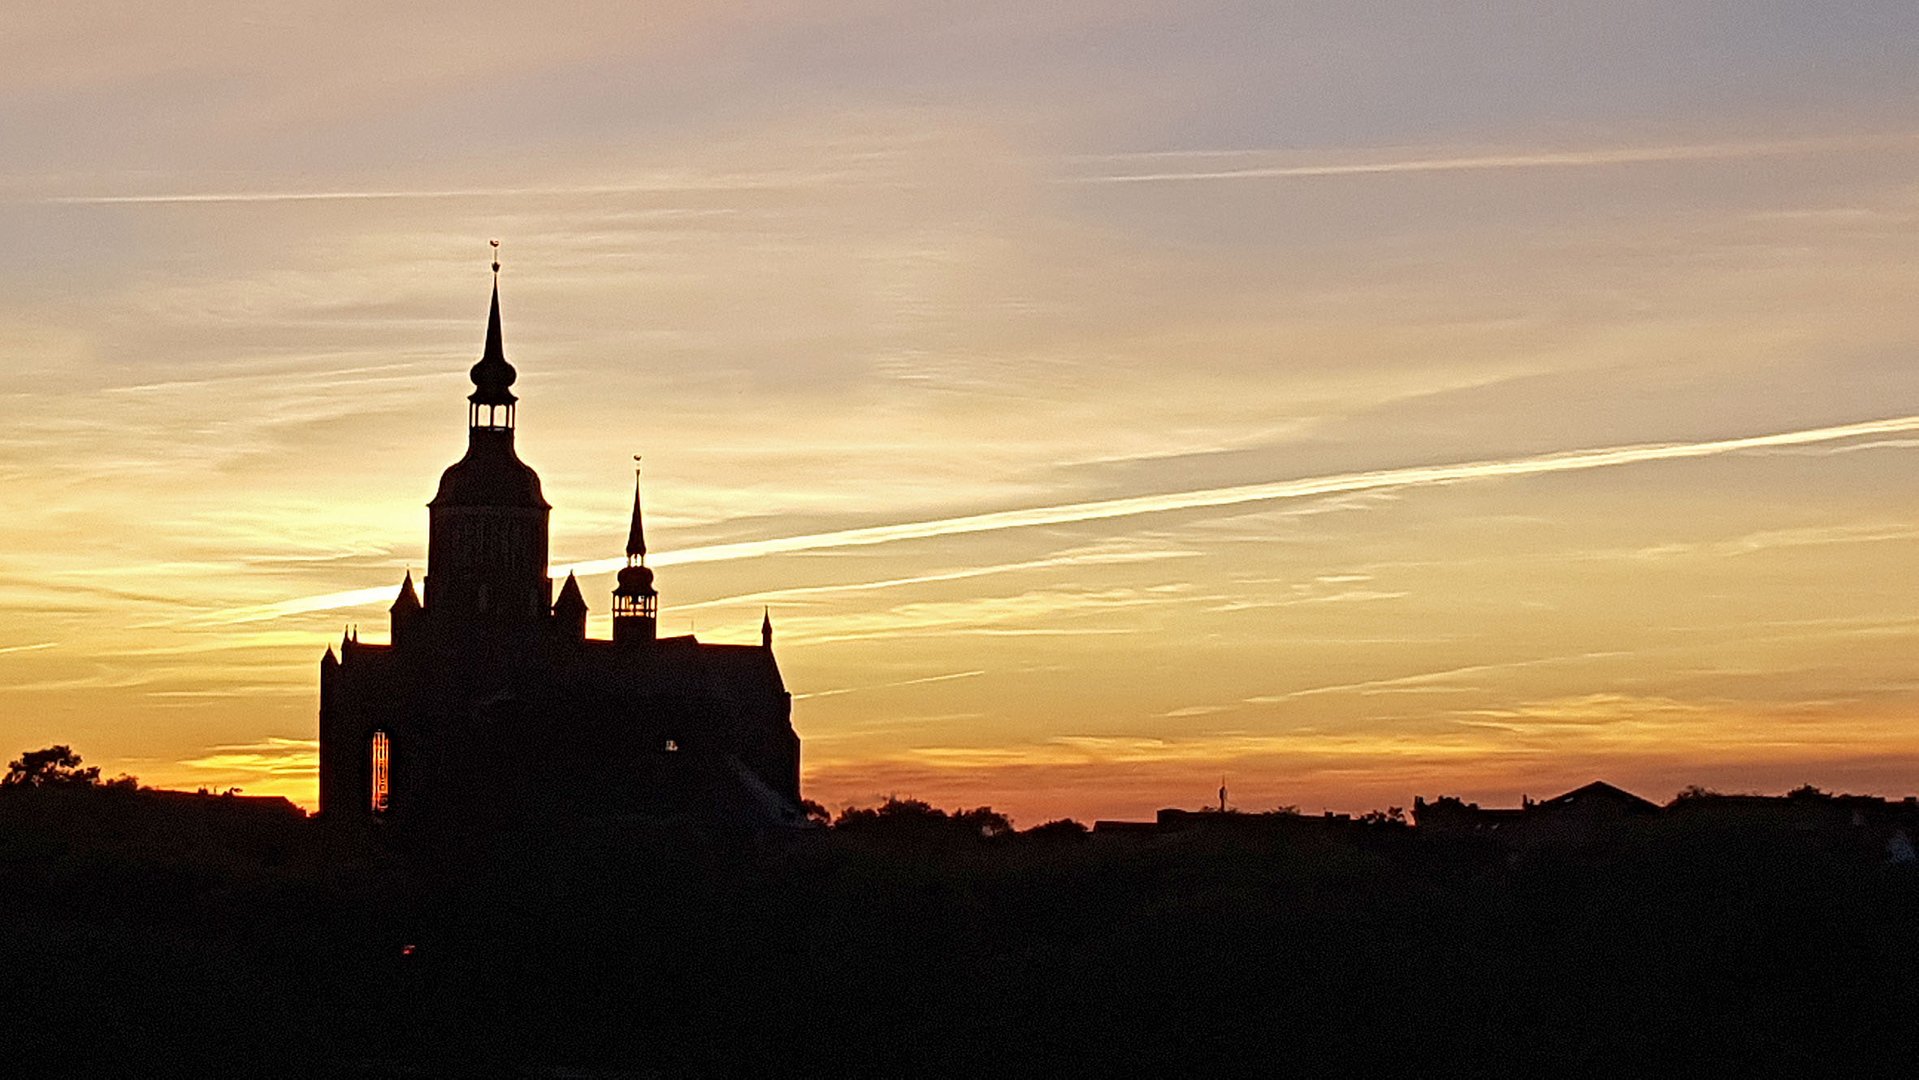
x=143, y=939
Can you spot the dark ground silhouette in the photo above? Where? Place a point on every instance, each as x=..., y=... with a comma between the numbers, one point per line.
x=146, y=932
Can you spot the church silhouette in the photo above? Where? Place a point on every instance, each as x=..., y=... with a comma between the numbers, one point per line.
x=491, y=707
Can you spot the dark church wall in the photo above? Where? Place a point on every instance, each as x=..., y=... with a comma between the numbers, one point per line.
x=547, y=726
x=489, y=560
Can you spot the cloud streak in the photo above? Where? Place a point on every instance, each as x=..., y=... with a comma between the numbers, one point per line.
x=1637, y=155
x=657, y=187
x=34, y=647
x=1134, y=506
x=891, y=685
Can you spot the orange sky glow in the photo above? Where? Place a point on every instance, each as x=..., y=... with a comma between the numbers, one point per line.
x=1105, y=398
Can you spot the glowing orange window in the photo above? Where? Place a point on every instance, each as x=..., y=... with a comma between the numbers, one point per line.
x=382, y=771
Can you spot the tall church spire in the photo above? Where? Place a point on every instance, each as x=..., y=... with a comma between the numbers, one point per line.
x=492, y=399
x=487, y=544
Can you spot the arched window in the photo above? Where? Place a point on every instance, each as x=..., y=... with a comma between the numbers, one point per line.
x=382, y=771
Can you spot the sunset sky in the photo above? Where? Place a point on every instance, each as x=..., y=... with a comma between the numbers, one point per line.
x=1349, y=399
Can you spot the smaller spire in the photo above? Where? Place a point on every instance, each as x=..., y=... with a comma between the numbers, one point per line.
x=571, y=601
x=408, y=600
x=766, y=628
x=636, y=532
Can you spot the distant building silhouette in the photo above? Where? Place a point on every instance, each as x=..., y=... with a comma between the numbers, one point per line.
x=491, y=705
x=1864, y=822
x=1577, y=815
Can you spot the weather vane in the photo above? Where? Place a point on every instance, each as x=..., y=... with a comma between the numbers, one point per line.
x=496, y=255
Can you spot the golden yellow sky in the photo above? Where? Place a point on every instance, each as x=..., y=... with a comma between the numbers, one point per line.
x=1353, y=402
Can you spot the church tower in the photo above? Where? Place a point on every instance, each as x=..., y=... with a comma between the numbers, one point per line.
x=487, y=537
x=490, y=706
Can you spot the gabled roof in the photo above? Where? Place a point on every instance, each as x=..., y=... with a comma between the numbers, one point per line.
x=1600, y=791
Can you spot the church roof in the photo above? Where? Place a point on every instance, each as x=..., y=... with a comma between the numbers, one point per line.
x=748, y=668
x=490, y=474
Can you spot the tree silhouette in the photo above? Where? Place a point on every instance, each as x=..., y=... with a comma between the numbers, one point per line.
x=55, y=766
x=59, y=766
x=815, y=812
x=901, y=816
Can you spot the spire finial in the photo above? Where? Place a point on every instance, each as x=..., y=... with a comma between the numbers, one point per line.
x=496, y=255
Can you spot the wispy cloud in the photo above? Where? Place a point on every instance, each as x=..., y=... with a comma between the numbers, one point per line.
x=1563, y=159
x=969, y=615
x=1771, y=539
x=1068, y=559
x=891, y=685
x=660, y=186
x=1426, y=678
x=34, y=647
x=273, y=757
x=1205, y=498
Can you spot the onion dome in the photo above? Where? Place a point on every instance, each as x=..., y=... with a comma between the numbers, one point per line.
x=490, y=474
x=635, y=581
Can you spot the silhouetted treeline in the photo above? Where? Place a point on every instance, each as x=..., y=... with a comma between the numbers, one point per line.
x=147, y=933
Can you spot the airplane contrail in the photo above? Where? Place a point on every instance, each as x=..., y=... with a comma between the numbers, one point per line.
x=218, y=197
x=1132, y=506
x=891, y=685
x=1635, y=155
x=1631, y=155
x=34, y=647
